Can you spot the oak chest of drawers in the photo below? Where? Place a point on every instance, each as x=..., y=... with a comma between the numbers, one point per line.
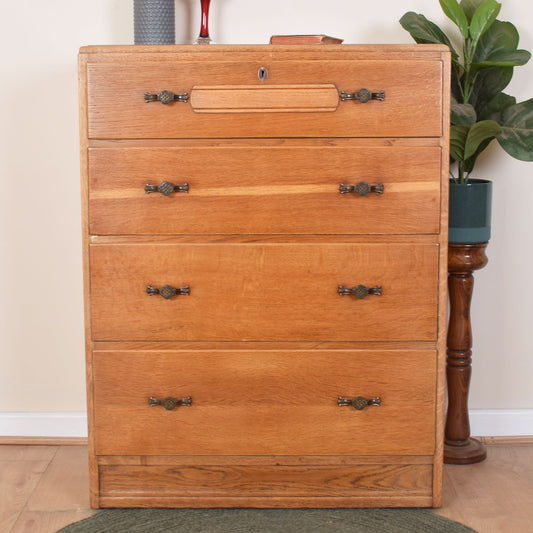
x=265, y=267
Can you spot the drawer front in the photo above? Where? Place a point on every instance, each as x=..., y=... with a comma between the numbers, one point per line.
x=226, y=99
x=235, y=189
x=273, y=291
x=264, y=402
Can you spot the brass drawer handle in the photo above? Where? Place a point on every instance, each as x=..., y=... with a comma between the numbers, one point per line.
x=360, y=291
x=166, y=188
x=362, y=188
x=167, y=291
x=165, y=97
x=359, y=403
x=170, y=403
x=362, y=95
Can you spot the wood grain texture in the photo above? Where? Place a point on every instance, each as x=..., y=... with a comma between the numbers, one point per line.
x=262, y=460
x=462, y=261
x=411, y=109
x=281, y=403
x=263, y=239
x=48, y=521
x=65, y=473
x=442, y=290
x=84, y=172
x=150, y=53
x=265, y=99
x=18, y=479
x=495, y=495
x=264, y=292
x=258, y=485
x=276, y=189
x=259, y=346
x=370, y=499
x=266, y=239
x=43, y=441
x=473, y=494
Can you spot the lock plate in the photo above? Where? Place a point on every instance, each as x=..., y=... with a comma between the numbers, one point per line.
x=262, y=74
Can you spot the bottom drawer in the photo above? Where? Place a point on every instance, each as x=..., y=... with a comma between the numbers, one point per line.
x=375, y=484
x=264, y=402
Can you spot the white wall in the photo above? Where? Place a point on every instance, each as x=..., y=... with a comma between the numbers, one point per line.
x=41, y=324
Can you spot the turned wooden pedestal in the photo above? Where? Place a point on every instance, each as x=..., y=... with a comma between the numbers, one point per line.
x=463, y=259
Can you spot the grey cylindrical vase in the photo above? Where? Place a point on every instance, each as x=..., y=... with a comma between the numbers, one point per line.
x=154, y=22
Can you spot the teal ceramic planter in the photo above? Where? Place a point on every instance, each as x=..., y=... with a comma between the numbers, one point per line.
x=470, y=212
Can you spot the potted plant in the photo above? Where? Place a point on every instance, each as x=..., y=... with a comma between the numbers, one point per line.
x=480, y=110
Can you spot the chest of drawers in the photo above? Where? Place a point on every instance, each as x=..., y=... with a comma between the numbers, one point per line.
x=265, y=265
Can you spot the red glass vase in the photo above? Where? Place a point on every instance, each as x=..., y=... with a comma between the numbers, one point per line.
x=204, y=37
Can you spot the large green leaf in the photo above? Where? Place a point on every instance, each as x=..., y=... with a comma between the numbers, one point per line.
x=458, y=136
x=456, y=14
x=469, y=7
x=483, y=18
x=456, y=85
x=423, y=31
x=505, y=59
x=469, y=164
x=462, y=114
x=479, y=132
x=489, y=83
x=516, y=137
x=494, y=110
x=498, y=47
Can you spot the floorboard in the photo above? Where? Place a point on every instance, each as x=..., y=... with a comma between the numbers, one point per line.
x=44, y=488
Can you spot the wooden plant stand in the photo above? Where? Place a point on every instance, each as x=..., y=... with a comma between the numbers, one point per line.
x=463, y=259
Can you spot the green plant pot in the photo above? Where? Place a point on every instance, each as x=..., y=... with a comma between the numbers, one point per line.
x=470, y=212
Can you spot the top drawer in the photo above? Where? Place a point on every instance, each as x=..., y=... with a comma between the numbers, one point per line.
x=299, y=98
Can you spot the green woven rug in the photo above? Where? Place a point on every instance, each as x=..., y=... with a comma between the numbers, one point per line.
x=266, y=521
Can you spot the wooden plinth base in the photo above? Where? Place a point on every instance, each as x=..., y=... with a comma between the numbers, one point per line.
x=469, y=453
x=463, y=259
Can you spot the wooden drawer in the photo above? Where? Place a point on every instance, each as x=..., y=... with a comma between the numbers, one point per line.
x=264, y=291
x=272, y=189
x=382, y=484
x=300, y=98
x=264, y=402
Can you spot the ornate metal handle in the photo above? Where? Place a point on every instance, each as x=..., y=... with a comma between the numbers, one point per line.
x=362, y=188
x=167, y=291
x=165, y=97
x=363, y=96
x=170, y=403
x=166, y=188
x=360, y=291
x=359, y=403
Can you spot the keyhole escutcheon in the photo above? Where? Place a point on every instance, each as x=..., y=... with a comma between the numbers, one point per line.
x=262, y=74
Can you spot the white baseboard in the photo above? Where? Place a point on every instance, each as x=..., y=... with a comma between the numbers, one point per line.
x=43, y=424
x=483, y=423
x=501, y=422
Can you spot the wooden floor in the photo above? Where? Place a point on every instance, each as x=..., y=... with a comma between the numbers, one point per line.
x=44, y=488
